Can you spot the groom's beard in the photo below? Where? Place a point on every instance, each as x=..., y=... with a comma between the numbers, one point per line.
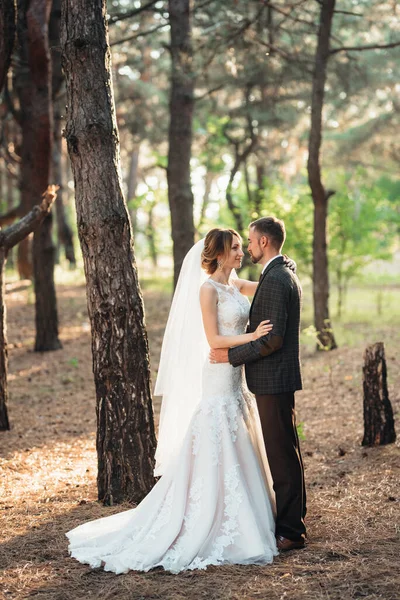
x=256, y=258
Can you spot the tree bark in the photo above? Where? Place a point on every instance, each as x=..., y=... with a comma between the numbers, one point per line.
x=208, y=181
x=378, y=412
x=64, y=231
x=132, y=184
x=326, y=339
x=125, y=429
x=33, y=84
x=7, y=34
x=46, y=317
x=181, y=105
x=8, y=239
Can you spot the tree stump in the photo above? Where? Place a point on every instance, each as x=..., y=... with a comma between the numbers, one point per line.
x=378, y=412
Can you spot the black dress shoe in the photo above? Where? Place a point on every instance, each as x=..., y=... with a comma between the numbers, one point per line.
x=284, y=544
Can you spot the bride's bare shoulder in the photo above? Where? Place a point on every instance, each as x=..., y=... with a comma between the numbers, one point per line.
x=208, y=293
x=207, y=285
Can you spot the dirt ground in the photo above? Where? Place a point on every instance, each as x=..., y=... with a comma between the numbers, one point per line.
x=48, y=476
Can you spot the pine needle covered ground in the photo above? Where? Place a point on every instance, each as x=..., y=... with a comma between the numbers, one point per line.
x=48, y=475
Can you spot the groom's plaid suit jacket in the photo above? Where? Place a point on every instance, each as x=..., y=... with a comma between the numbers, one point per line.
x=273, y=362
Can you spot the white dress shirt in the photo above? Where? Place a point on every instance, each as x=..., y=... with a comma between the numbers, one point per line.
x=270, y=261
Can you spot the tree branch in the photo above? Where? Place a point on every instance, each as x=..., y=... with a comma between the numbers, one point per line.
x=131, y=13
x=361, y=48
x=17, y=232
x=139, y=34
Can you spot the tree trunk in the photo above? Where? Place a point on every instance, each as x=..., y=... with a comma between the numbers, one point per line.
x=8, y=239
x=378, y=413
x=208, y=181
x=125, y=429
x=33, y=83
x=151, y=235
x=64, y=231
x=132, y=184
x=4, y=422
x=38, y=15
x=180, y=194
x=7, y=34
x=65, y=234
x=319, y=194
x=10, y=204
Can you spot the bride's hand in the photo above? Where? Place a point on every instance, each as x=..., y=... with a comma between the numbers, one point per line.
x=263, y=328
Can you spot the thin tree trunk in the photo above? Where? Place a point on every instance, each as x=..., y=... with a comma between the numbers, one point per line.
x=38, y=15
x=132, y=184
x=65, y=234
x=208, y=181
x=378, y=412
x=10, y=204
x=151, y=236
x=319, y=194
x=125, y=429
x=33, y=83
x=4, y=422
x=8, y=239
x=64, y=231
x=260, y=188
x=180, y=194
x=7, y=34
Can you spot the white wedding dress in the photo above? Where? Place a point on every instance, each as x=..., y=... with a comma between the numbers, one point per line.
x=214, y=503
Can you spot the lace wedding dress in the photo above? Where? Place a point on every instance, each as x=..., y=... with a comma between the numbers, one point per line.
x=214, y=504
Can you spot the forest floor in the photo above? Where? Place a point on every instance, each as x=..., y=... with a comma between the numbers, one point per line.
x=48, y=474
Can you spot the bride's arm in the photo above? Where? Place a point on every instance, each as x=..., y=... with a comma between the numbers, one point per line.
x=208, y=302
x=245, y=287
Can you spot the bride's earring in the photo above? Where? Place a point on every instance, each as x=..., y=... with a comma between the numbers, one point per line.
x=220, y=265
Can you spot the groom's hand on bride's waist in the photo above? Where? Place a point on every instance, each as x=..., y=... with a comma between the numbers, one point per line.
x=219, y=355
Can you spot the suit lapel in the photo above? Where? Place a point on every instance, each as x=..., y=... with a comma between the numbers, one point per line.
x=272, y=265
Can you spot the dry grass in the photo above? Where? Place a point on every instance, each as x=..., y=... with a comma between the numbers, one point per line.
x=48, y=472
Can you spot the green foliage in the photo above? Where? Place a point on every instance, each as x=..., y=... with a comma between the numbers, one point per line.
x=361, y=228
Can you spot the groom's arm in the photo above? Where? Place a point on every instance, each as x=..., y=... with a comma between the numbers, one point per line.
x=274, y=300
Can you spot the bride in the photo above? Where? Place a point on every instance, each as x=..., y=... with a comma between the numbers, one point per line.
x=214, y=503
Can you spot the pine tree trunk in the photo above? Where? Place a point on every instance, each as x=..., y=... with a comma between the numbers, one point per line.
x=33, y=83
x=180, y=194
x=125, y=430
x=38, y=15
x=64, y=231
x=320, y=196
x=378, y=412
x=7, y=33
x=8, y=239
x=132, y=184
x=4, y=422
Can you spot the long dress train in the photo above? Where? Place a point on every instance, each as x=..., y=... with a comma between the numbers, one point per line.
x=214, y=504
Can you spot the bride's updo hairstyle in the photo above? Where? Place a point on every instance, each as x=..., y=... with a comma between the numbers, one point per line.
x=218, y=242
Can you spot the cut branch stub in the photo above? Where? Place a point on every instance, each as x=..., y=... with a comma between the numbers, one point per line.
x=378, y=412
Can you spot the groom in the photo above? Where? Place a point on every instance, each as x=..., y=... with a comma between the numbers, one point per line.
x=273, y=375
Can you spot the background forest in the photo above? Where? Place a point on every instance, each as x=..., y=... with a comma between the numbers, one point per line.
x=226, y=111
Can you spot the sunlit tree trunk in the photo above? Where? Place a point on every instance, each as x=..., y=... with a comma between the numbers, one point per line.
x=125, y=430
x=320, y=196
x=180, y=194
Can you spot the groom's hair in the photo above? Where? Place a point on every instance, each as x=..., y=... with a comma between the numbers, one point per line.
x=272, y=228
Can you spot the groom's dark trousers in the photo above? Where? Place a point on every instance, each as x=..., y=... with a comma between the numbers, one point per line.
x=278, y=424
x=273, y=375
